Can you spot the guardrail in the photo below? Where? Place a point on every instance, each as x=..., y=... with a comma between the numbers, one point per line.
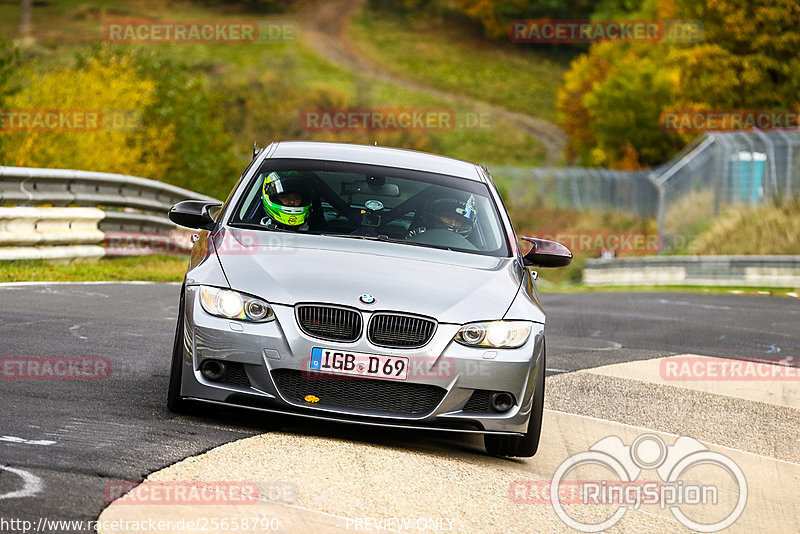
x=56, y=214
x=743, y=271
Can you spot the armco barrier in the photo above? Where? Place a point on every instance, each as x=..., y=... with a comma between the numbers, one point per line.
x=744, y=271
x=35, y=221
x=64, y=187
x=49, y=226
x=50, y=233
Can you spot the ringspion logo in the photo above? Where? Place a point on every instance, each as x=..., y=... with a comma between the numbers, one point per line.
x=691, y=478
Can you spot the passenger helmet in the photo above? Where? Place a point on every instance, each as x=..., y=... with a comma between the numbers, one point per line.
x=452, y=213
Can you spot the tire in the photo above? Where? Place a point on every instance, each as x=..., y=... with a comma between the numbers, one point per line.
x=527, y=445
x=176, y=403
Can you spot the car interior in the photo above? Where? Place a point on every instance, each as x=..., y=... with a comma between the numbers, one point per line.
x=382, y=207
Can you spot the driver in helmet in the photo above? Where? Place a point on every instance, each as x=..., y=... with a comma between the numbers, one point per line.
x=287, y=201
x=453, y=211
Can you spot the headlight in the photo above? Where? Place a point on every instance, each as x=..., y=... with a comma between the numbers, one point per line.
x=495, y=334
x=234, y=305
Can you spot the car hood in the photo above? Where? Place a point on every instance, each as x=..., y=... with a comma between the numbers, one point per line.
x=452, y=287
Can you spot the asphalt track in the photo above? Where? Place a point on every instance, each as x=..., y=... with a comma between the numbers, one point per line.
x=63, y=442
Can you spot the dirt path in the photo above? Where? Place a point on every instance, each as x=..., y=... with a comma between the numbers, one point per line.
x=323, y=26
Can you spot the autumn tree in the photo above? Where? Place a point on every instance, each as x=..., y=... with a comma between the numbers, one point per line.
x=173, y=130
x=98, y=87
x=612, y=97
x=751, y=57
x=496, y=15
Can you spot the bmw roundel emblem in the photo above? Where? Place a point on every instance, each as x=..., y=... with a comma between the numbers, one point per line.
x=367, y=299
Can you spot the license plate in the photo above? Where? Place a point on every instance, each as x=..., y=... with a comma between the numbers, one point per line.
x=356, y=363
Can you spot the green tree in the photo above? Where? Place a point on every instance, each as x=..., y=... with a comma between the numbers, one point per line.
x=585, y=72
x=625, y=107
x=750, y=58
x=96, y=87
x=201, y=156
x=9, y=59
x=496, y=15
x=612, y=98
x=179, y=130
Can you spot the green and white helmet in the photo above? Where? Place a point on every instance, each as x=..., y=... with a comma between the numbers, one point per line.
x=286, y=198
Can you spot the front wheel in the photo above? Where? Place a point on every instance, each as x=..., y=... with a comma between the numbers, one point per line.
x=522, y=446
x=176, y=403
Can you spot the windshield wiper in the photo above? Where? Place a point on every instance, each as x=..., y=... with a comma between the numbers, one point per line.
x=357, y=236
x=412, y=243
x=387, y=239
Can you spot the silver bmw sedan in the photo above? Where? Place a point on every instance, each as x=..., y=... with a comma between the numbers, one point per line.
x=369, y=285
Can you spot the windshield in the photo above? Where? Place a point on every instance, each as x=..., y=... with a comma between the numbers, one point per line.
x=371, y=202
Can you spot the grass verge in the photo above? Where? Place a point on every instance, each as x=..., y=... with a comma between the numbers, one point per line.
x=456, y=59
x=131, y=268
x=263, y=88
x=772, y=228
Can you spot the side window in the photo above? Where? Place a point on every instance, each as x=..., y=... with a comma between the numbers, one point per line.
x=247, y=204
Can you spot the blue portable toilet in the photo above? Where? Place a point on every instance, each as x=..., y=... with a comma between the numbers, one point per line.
x=746, y=177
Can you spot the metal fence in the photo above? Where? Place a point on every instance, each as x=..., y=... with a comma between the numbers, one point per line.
x=581, y=188
x=726, y=169
x=125, y=214
x=715, y=171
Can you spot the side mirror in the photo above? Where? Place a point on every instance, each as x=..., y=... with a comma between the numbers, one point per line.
x=194, y=214
x=545, y=253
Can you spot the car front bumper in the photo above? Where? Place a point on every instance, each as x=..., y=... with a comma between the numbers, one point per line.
x=451, y=370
